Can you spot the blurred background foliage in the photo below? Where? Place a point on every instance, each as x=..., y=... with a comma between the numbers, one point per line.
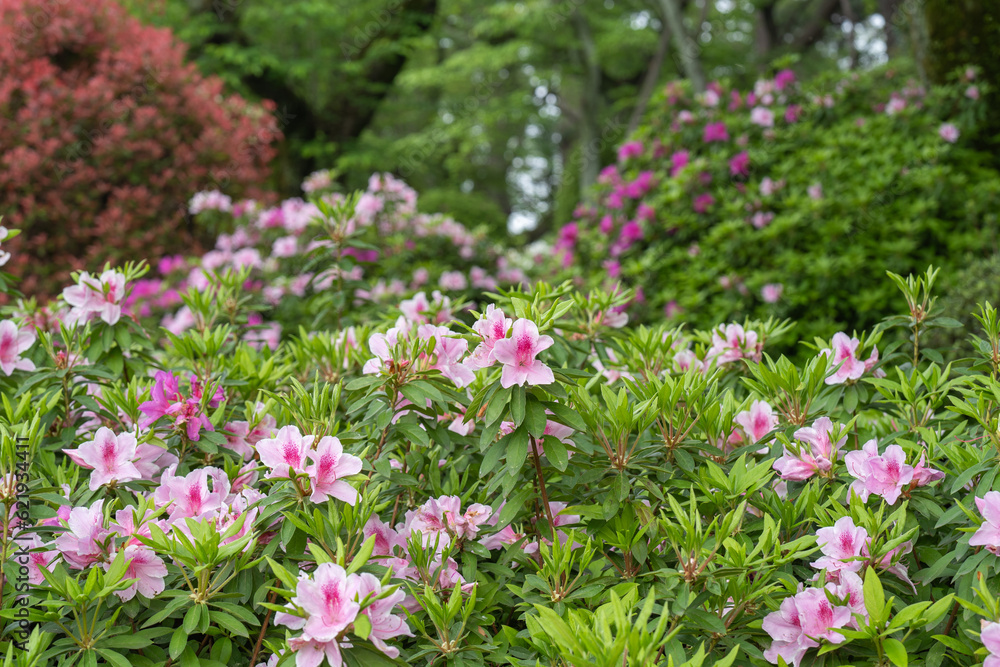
x=505, y=111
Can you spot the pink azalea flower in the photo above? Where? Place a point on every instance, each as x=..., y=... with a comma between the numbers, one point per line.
x=715, y=132
x=96, y=295
x=851, y=590
x=990, y=636
x=448, y=352
x=988, y=534
x=110, y=456
x=757, y=422
x=815, y=191
x=146, y=568
x=189, y=496
x=799, y=624
x=762, y=116
x=244, y=438
x=381, y=345
x=924, y=474
x=844, y=352
x=771, y=293
x=13, y=343
x=678, y=161
x=730, y=343
x=166, y=400
x=740, y=165
x=972, y=92
x=884, y=475
x=949, y=133
x=629, y=150
x=816, y=458
x=287, y=449
x=841, y=545
x=517, y=354
x=37, y=559
x=329, y=465
x=82, y=545
x=386, y=539
x=385, y=624
x=703, y=202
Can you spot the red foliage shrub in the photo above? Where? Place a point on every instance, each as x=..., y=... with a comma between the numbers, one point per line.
x=104, y=134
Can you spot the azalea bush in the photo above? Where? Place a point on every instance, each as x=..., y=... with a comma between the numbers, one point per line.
x=791, y=199
x=105, y=132
x=324, y=260
x=542, y=483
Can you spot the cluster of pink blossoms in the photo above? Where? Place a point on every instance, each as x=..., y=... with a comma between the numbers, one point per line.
x=168, y=401
x=731, y=342
x=988, y=534
x=886, y=474
x=815, y=454
x=843, y=357
x=95, y=296
x=326, y=605
x=290, y=454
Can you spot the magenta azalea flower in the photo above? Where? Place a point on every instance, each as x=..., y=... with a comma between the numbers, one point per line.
x=13, y=342
x=517, y=354
x=988, y=534
x=110, y=456
x=715, y=132
x=800, y=623
x=740, y=164
x=329, y=465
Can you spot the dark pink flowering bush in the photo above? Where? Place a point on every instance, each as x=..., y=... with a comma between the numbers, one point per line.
x=788, y=200
x=297, y=470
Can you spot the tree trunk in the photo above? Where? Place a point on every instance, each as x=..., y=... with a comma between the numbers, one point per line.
x=590, y=105
x=688, y=51
x=649, y=83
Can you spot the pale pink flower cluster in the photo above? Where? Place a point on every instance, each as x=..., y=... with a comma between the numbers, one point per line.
x=318, y=180
x=13, y=343
x=757, y=422
x=948, y=132
x=846, y=549
x=886, y=474
x=325, y=607
x=446, y=357
x=848, y=367
x=290, y=454
x=517, y=354
x=815, y=455
x=805, y=619
x=89, y=542
x=730, y=342
x=116, y=459
x=210, y=200
x=96, y=296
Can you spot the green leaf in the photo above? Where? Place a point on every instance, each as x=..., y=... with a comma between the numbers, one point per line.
x=229, y=624
x=177, y=642
x=517, y=451
x=517, y=404
x=874, y=595
x=362, y=626
x=896, y=652
x=535, y=418
x=555, y=451
x=116, y=659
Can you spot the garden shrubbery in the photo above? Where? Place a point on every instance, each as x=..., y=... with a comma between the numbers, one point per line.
x=790, y=200
x=383, y=484
x=105, y=132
